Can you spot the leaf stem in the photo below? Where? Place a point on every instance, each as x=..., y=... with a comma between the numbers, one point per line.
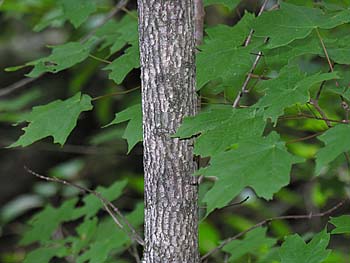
x=115, y=94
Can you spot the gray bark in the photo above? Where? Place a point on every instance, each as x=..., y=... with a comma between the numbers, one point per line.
x=167, y=49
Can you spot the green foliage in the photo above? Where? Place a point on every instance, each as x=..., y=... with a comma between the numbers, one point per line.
x=292, y=22
x=78, y=11
x=56, y=119
x=294, y=249
x=133, y=131
x=337, y=141
x=289, y=88
x=222, y=52
x=121, y=66
x=255, y=242
x=261, y=163
x=341, y=223
x=221, y=128
x=94, y=241
x=251, y=148
x=228, y=3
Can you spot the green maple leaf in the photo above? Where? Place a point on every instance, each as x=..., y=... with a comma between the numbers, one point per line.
x=220, y=128
x=261, y=163
x=109, y=238
x=223, y=58
x=45, y=254
x=228, y=3
x=289, y=88
x=44, y=223
x=92, y=204
x=77, y=11
x=253, y=242
x=133, y=131
x=116, y=34
x=292, y=22
x=56, y=119
x=337, y=50
x=62, y=57
x=294, y=249
x=122, y=65
x=337, y=141
x=341, y=223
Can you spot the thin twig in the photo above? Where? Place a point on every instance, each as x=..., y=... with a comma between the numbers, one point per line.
x=17, y=85
x=100, y=59
x=306, y=116
x=258, y=56
x=133, y=251
x=245, y=84
x=249, y=38
x=109, y=207
x=115, y=94
x=321, y=112
x=266, y=221
x=325, y=51
x=304, y=138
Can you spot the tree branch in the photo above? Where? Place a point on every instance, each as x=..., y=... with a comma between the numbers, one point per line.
x=111, y=209
x=258, y=56
x=266, y=221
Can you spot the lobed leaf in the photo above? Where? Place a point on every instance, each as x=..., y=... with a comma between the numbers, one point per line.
x=253, y=242
x=221, y=128
x=341, y=223
x=56, y=119
x=293, y=22
x=289, y=88
x=133, y=131
x=294, y=249
x=77, y=11
x=261, y=163
x=337, y=141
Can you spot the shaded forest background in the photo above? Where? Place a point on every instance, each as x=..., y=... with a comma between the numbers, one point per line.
x=95, y=156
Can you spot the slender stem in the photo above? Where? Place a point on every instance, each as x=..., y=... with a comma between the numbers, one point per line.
x=245, y=84
x=321, y=112
x=17, y=85
x=100, y=59
x=304, y=138
x=115, y=93
x=109, y=206
x=249, y=38
x=266, y=221
x=306, y=116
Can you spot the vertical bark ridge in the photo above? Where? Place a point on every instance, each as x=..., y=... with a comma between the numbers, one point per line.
x=166, y=31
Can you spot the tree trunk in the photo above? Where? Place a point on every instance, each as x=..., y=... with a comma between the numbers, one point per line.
x=167, y=49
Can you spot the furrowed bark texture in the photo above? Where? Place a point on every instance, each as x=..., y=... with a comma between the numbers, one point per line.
x=167, y=49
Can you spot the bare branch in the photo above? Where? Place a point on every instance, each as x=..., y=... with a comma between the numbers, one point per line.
x=266, y=221
x=17, y=85
x=249, y=38
x=109, y=207
x=258, y=56
x=321, y=112
x=245, y=84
